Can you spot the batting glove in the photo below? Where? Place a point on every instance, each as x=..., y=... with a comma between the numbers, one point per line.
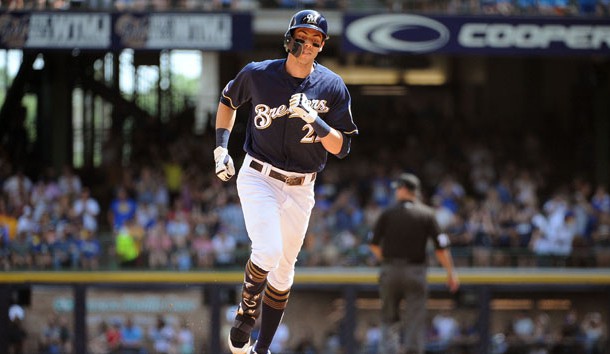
x=224, y=164
x=299, y=106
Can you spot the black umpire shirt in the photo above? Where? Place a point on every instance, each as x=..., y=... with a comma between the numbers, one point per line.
x=402, y=232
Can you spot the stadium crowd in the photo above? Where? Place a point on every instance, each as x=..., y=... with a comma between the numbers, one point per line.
x=167, y=209
x=524, y=331
x=483, y=7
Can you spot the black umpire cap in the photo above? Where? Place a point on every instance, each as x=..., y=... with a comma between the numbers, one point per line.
x=408, y=180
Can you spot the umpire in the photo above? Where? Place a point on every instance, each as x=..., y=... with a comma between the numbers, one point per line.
x=399, y=242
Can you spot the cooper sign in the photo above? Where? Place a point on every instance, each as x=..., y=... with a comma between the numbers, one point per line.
x=504, y=35
x=414, y=34
x=397, y=33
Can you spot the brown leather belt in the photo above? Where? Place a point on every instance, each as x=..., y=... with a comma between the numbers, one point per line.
x=289, y=180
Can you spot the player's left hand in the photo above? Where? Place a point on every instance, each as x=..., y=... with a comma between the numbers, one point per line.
x=299, y=105
x=225, y=169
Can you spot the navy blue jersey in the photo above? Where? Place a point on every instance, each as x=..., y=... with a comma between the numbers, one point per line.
x=272, y=135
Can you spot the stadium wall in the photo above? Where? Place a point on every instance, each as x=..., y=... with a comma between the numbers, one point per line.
x=325, y=302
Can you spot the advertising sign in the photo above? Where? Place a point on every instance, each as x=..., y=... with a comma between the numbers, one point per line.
x=416, y=34
x=66, y=30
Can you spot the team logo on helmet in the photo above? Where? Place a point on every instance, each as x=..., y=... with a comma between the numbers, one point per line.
x=311, y=19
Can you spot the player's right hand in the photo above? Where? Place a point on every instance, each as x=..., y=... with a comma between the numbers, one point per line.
x=225, y=169
x=299, y=106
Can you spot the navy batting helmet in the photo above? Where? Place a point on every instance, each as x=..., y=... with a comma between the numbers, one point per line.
x=308, y=19
x=304, y=19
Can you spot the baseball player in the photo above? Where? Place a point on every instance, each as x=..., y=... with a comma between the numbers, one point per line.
x=300, y=111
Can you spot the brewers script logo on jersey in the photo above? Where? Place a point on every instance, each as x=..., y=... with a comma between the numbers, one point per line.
x=265, y=114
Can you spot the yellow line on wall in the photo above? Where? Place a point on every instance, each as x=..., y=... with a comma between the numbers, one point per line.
x=364, y=276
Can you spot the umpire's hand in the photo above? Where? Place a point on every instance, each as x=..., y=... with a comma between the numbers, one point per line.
x=453, y=282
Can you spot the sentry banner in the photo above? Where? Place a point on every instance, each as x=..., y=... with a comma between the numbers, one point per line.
x=205, y=31
x=416, y=34
x=65, y=30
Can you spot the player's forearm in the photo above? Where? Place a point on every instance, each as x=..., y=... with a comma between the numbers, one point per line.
x=225, y=117
x=333, y=142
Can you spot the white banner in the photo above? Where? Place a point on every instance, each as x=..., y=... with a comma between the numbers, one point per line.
x=195, y=31
x=69, y=30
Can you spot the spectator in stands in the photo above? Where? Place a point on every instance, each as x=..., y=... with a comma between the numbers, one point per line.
x=86, y=209
x=8, y=221
x=89, y=249
x=5, y=248
x=158, y=245
x=444, y=216
x=98, y=344
x=332, y=342
x=231, y=217
x=480, y=224
x=127, y=244
x=185, y=338
x=62, y=246
x=17, y=335
x=132, y=337
x=224, y=245
x=65, y=335
x=570, y=339
x=147, y=214
x=173, y=172
x=43, y=247
x=601, y=240
x=50, y=336
x=113, y=336
x=122, y=209
x=600, y=200
x=446, y=328
x=347, y=214
x=328, y=250
x=526, y=186
x=203, y=249
x=51, y=190
x=18, y=188
x=542, y=336
x=182, y=257
x=521, y=332
x=163, y=336
x=178, y=224
x=553, y=239
x=372, y=336
x=26, y=223
x=523, y=226
x=21, y=251
x=381, y=192
x=594, y=331
x=506, y=239
x=582, y=244
x=146, y=186
x=565, y=233
x=69, y=182
x=451, y=192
